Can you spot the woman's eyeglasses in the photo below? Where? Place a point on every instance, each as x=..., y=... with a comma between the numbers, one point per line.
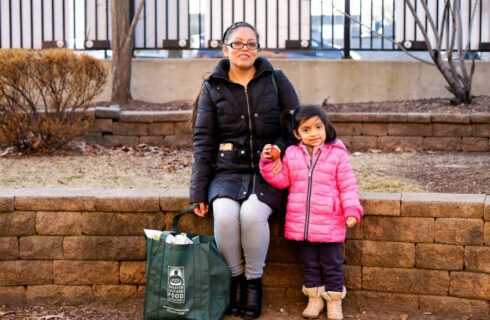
x=240, y=45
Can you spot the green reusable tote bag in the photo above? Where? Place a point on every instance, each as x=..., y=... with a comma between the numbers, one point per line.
x=185, y=281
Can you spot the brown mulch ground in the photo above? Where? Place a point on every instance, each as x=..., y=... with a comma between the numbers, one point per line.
x=93, y=166
x=481, y=104
x=146, y=166
x=133, y=309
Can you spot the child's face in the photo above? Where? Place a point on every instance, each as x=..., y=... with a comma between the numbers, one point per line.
x=311, y=132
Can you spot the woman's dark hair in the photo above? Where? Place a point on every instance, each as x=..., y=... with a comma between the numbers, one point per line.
x=194, y=105
x=292, y=119
x=226, y=35
x=239, y=24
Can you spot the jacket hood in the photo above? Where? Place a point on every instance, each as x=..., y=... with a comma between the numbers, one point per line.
x=222, y=68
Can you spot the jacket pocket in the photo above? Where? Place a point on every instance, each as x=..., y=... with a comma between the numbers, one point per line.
x=327, y=206
x=231, y=153
x=224, y=158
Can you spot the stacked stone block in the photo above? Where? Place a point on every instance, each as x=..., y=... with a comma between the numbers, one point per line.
x=79, y=245
x=113, y=127
x=412, y=251
x=359, y=131
x=414, y=131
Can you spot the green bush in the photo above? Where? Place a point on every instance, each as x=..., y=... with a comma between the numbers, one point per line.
x=44, y=96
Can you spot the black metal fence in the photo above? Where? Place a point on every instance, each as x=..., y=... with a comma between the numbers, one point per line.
x=198, y=24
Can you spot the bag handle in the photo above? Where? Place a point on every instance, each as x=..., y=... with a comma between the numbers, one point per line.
x=175, y=221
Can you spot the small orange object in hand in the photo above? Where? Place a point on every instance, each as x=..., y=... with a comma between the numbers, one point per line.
x=275, y=152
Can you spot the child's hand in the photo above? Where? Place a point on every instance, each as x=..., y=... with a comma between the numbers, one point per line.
x=351, y=221
x=276, y=167
x=271, y=152
x=266, y=152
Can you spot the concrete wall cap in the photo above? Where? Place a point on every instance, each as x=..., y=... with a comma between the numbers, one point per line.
x=443, y=205
x=136, y=116
x=381, y=196
x=486, y=210
x=480, y=118
x=128, y=200
x=442, y=197
x=108, y=112
x=381, y=204
x=345, y=117
x=6, y=203
x=418, y=117
x=177, y=115
x=175, y=200
x=384, y=117
x=450, y=118
x=42, y=199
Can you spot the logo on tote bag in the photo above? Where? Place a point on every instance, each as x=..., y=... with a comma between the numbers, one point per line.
x=176, y=285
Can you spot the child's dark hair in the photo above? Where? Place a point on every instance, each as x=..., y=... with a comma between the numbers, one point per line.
x=292, y=119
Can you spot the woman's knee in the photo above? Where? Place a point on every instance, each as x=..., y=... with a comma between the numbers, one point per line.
x=226, y=211
x=254, y=211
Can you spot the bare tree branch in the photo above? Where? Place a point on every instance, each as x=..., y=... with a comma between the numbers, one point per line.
x=470, y=78
x=431, y=20
x=443, y=23
x=461, y=50
x=421, y=28
x=129, y=36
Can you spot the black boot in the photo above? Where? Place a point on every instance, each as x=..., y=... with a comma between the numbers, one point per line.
x=253, y=307
x=238, y=291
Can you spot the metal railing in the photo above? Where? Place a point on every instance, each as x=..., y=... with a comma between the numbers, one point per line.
x=199, y=24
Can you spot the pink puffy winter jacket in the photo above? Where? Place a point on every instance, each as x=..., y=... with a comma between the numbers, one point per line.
x=322, y=191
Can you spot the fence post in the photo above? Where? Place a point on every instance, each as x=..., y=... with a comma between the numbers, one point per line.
x=131, y=16
x=347, y=30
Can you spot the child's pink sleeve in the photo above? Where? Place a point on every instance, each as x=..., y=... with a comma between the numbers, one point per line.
x=281, y=179
x=349, y=192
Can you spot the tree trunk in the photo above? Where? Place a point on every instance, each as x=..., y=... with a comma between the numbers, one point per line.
x=121, y=54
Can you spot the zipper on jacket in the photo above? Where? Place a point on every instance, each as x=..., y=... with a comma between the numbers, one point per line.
x=251, y=139
x=308, y=197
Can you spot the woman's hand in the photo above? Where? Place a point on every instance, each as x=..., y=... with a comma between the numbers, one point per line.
x=351, y=221
x=201, y=209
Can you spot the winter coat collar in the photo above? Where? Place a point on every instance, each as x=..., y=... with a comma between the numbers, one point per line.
x=221, y=69
x=324, y=146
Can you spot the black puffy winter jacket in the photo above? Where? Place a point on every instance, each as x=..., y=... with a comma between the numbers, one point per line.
x=233, y=123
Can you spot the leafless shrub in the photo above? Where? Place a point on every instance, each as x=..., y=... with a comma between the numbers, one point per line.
x=44, y=96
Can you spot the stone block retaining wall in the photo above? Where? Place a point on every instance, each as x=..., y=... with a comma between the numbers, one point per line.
x=359, y=131
x=412, y=250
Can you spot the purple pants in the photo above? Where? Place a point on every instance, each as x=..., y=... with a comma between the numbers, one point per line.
x=322, y=265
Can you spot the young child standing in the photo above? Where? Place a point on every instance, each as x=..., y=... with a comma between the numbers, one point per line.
x=323, y=198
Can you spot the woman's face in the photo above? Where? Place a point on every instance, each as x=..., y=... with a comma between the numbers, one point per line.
x=243, y=58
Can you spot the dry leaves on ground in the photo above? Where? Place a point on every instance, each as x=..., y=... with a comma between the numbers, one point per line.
x=92, y=166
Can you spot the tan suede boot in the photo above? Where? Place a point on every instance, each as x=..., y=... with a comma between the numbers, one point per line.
x=334, y=303
x=315, y=301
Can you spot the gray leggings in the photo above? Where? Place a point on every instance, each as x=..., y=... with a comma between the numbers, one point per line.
x=242, y=233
